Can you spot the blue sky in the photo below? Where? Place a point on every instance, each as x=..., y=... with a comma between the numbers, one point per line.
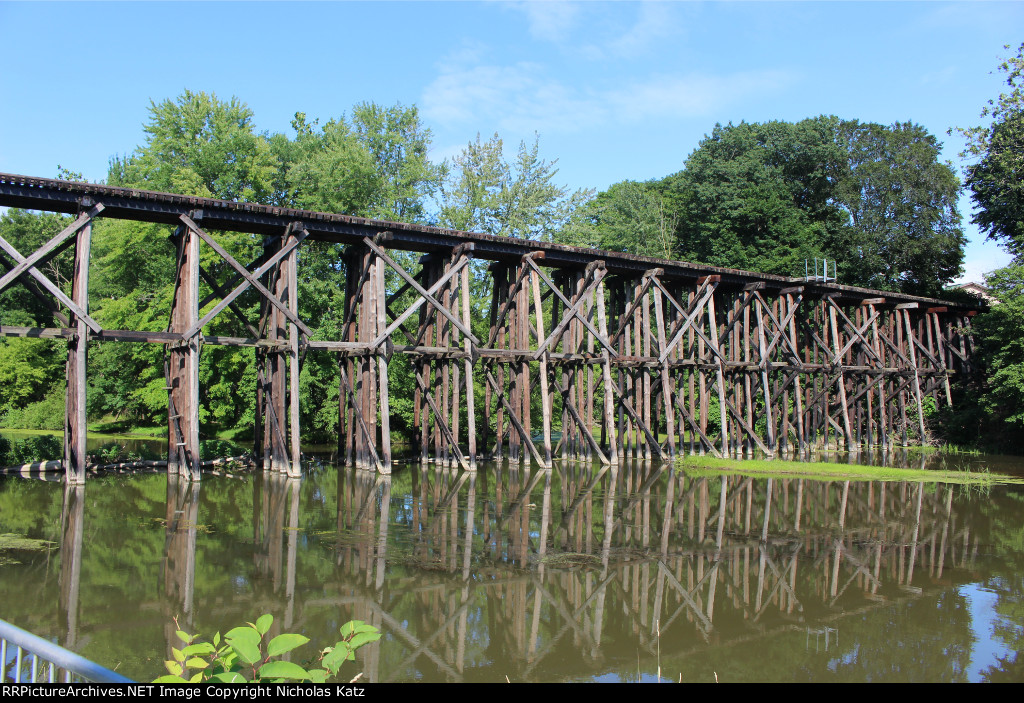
x=615, y=90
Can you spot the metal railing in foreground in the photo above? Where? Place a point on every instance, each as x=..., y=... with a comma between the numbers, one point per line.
x=26, y=658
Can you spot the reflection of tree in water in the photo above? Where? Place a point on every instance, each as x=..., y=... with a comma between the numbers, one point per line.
x=1007, y=582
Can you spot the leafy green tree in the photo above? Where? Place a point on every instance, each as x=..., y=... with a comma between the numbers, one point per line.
x=373, y=164
x=873, y=198
x=398, y=144
x=200, y=145
x=904, y=228
x=629, y=216
x=32, y=370
x=996, y=180
x=486, y=193
x=328, y=169
x=757, y=196
x=993, y=415
x=1002, y=348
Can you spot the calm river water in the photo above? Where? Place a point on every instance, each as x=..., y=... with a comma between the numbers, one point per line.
x=574, y=574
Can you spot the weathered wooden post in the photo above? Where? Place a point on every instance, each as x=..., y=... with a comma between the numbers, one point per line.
x=183, y=359
x=290, y=263
x=75, y=406
x=274, y=376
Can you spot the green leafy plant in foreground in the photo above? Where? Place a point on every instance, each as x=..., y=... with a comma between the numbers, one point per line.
x=243, y=655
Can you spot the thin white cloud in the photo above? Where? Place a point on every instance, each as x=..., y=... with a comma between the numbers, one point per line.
x=524, y=98
x=610, y=28
x=656, y=23
x=549, y=21
x=692, y=95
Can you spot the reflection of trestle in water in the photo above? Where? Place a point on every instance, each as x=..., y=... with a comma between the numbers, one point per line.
x=643, y=553
x=528, y=568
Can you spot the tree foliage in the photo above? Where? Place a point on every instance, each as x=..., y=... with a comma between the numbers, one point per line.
x=996, y=180
x=1002, y=346
x=769, y=196
x=486, y=193
x=903, y=231
x=757, y=196
x=200, y=145
x=629, y=216
x=994, y=413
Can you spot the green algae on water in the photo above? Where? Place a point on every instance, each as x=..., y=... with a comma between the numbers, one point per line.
x=10, y=542
x=826, y=471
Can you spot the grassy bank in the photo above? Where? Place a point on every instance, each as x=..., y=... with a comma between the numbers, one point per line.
x=825, y=471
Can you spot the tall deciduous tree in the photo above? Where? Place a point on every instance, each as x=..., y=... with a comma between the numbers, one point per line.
x=629, y=216
x=873, y=198
x=399, y=145
x=31, y=370
x=996, y=180
x=904, y=228
x=486, y=193
x=327, y=168
x=200, y=145
x=757, y=196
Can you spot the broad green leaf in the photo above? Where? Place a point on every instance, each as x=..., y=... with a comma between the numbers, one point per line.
x=247, y=652
x=229, y=677
x=216, y=640
x=350, y=627
x=178, y=654
x=184, y=637
x=243, y=634
x=361, y=638
x=200, y=648
x=227, y=658
x=170, y=679
x=196, y=663
x=263, y=623
x=285, y=643
x=317, y=675
x=197, y=678
x=335, y=658
x=174, y=667
x=283, y=670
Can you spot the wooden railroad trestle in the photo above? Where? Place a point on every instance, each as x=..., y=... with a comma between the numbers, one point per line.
x=581, y=354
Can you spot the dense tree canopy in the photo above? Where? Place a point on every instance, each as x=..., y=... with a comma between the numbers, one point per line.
x=873, y=198
x=996, y=180
x=200, y=145
x=995, y=410
x=903, y=231
x=757, y=196
x=768, y=197
x=629, y=216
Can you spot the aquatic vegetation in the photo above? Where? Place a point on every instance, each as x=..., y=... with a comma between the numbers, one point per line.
x=10, y=542
x=775, y=468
